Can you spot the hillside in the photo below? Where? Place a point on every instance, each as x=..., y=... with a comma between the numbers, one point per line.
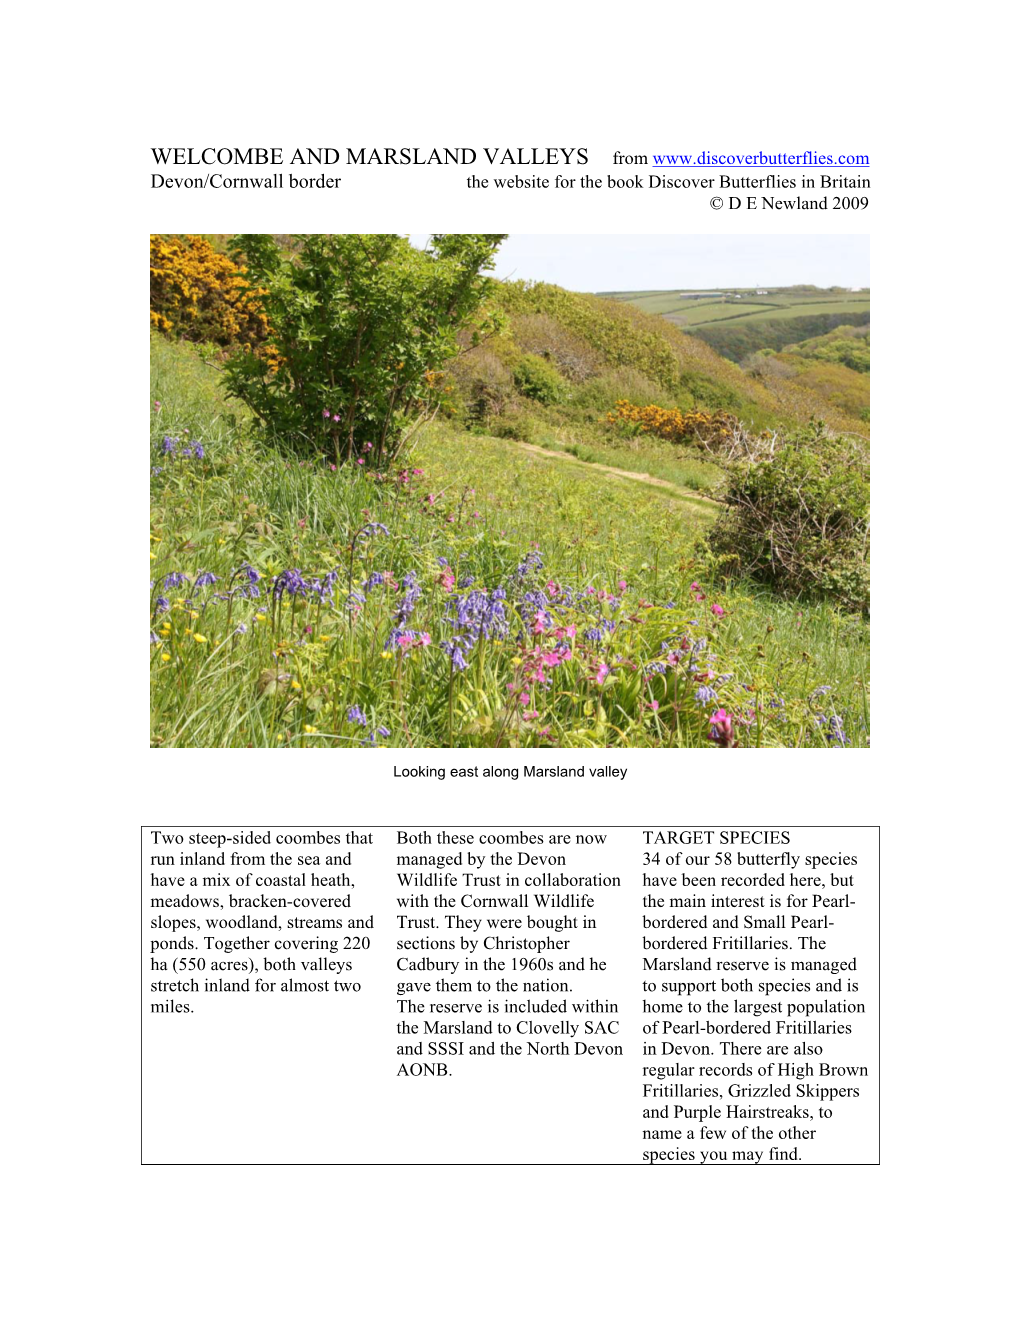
x=605, y=349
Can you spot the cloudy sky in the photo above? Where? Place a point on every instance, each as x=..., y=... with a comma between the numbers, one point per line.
x=590, y=263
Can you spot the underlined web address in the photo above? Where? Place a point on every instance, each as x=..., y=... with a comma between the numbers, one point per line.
x=805, y=159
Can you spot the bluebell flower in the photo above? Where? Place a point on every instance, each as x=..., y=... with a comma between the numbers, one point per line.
x=162, y=604
x=833, y=729
x=455, y=650
x=174, y=580
x=703, y=695
x=373, y=529
x=206, y=579
x=291, y=581
x=355, y=715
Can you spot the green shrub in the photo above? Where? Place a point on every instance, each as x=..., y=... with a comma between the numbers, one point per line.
x=538, y=379
x=362, y=326
x=800, y=522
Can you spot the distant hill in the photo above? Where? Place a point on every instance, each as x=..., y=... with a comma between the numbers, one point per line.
x=737, y=322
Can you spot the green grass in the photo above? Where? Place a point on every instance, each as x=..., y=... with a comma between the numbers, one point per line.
x=291, y=678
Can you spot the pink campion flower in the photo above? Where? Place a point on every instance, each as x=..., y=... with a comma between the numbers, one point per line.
x=368, y=444
x=424, y=640
x=325, y=414
x=653, y=705
x=718, y=611
x=361, y=462
x=404, y=641
x=432, y=498
x=302, y=523
x=525, y=698
x=622, y=585
x=308, y=627
x=332, y=467
x=450, y=518
x=531, y=715
x=721, y=729
x=476, y=515
x=552, y=588
x=540, y=622
x=336, y=417
x=601, y=674
x=157, y=405
x=447, y=580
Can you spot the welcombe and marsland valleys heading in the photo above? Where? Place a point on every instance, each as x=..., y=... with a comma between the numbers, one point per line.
x=369, y=155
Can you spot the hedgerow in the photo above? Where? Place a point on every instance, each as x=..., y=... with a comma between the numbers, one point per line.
x=799, y=521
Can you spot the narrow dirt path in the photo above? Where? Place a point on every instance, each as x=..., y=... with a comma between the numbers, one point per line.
x=682, y=491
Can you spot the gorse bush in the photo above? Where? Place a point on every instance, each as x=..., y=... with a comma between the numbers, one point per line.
x=799, y=521
x=673, y=424
x=360, y=323
x=199, y=294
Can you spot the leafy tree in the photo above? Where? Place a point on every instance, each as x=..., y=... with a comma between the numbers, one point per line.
x=361, y=325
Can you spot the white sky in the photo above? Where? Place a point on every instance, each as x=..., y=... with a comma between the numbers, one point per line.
x=588, y=263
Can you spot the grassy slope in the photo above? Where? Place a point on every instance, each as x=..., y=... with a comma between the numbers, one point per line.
x=240, y=503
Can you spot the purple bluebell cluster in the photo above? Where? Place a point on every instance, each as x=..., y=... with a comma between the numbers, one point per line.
x=170, y=447
x=476, y=615
x=832, y=728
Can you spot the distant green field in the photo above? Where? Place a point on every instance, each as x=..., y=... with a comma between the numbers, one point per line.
x=738, y=321
x=723, y=305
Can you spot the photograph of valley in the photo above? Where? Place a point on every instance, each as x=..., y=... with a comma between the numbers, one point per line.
x=480, y=490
